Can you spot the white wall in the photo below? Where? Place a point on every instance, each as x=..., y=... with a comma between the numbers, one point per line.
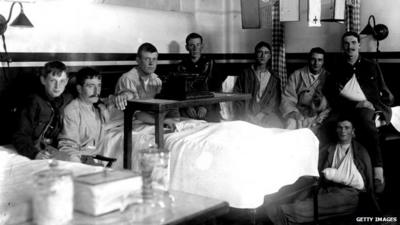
x=62, y=26
x=94, y=26
x=242, y=40
x=386, y=12
x=301, y=38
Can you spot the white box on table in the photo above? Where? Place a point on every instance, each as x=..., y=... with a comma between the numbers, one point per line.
x=103, y=192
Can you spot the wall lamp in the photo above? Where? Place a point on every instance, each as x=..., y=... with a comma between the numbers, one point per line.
x=20, y=21
x=378, y=31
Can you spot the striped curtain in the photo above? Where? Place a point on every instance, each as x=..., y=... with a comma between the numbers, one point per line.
x=353, y=15
x=278, y=46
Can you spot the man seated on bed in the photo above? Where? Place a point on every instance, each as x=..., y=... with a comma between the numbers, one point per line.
x=84, y=118
x=264, y=86
x=303, y=104
x=345, y=170
x=40, y=120
x=142, y=83
x=196, y=63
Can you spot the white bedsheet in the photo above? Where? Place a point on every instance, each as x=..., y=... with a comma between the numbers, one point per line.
x=395, y=120
x=142, y=137
x=240, y=162
x=233, y=161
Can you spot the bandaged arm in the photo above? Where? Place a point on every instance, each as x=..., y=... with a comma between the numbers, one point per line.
x=334, y=175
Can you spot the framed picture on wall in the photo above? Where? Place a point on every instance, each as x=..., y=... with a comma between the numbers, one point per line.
x=333, y=10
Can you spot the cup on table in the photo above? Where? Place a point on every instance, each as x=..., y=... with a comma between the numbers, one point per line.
x=154, y=167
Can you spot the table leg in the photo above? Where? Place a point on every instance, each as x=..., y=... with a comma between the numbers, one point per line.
x=159, y=126
x=128, y=115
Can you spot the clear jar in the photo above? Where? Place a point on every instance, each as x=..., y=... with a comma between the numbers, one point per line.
x=148, y=160
x=156, y=199
x=53, y=196
x=154, y=166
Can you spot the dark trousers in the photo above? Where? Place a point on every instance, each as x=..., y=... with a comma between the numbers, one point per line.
x=296, y=204
x=367, y=134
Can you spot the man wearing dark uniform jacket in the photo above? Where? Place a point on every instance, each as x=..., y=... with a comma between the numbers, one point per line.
x=40, y=119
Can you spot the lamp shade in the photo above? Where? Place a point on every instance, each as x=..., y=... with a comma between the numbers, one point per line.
x=368, y=30
x=379, y=31
x=21, y=21
x=3, y=24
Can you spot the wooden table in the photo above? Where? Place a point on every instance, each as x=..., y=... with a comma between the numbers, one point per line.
x=187, y=209
x=160, y=107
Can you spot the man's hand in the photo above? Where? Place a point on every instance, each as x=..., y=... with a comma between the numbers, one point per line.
x=291, y=124
x=365, y=104
x=201, y=113
x=121, y=100
x=170, y=123
x=378, y=174
x=155, y=82
x=59, y=155
x=379, y=180
x=43, y=155
x=329, y=173
x=191, y=112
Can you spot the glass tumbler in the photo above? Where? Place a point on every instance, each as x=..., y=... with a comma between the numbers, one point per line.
x=154, y=167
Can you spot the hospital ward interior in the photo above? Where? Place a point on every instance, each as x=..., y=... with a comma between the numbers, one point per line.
x=203, y=112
